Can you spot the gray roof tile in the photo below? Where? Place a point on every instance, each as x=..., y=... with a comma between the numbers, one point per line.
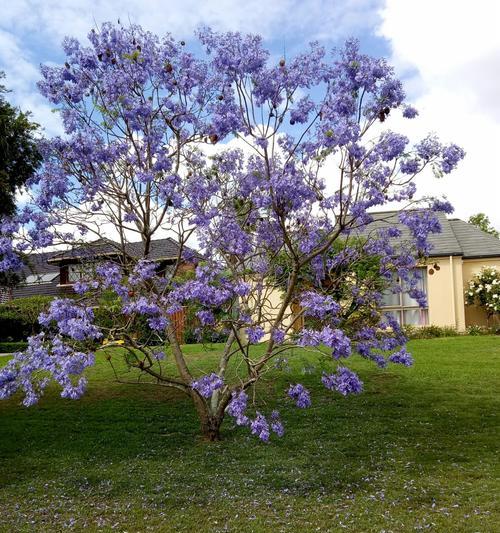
x=473, y=241
x=456, y=238
x=46, y=262
x=160, y=249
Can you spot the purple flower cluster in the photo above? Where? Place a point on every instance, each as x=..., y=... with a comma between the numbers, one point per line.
x=409, y=112
x=29, y=371
x=335, y=339
x=259, y=426
x=141, y=306
x=344, y=381
x=143, y=271
x=300, y=394
x=71, y=319
x=276, y=424
x=255, y=334
x=262, y=428
x=278, y=336
x=401, y=357
x=237, y=407
x=319, y=305
x=451, y=156
x=206, y=317
x=206, y=385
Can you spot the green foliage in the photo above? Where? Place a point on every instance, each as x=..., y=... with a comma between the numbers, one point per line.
x=475, y=330
x=362, y=272
x=483, y=223
x=19, y=318
x=19, y=156
x=434, y=332
x=365, y=268
x=108, y=316
x=430, y=332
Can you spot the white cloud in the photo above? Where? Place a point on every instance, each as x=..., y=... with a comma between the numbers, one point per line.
x=22, y=77
x=276, y=19
x=450, y=51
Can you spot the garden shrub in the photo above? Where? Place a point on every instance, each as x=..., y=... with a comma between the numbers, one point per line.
x=19, y=318
x=430, y=332
x=484, y=291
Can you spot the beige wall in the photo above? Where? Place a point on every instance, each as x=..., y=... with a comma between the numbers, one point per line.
x=445, y=293
x=474, y=315
x=272, y=300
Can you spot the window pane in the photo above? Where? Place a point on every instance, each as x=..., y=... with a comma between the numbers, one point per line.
x=389, y=299
x=415, y=317
x=394, y=314
x=74, y=273
x=421, y=276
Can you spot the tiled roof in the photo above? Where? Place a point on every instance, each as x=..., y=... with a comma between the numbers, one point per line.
x=49, y=262
x=473, y=241
x=159, y=249
x=456, y=238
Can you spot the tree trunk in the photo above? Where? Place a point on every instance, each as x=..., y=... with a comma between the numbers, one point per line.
x=210, y=428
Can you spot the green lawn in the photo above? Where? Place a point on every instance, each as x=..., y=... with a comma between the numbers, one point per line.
x=416, y=451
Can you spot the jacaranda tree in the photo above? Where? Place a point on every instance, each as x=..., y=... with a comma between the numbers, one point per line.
x=146, y=153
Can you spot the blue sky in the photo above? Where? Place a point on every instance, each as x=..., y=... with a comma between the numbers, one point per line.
x=446, y=51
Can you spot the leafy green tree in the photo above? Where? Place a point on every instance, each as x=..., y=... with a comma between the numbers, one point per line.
x=19, y=159
x=19, y=156
x=481, y=221
x=19, y=318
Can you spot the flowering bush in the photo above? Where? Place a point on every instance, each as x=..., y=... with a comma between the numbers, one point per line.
x=234, y=149
x=484, y=290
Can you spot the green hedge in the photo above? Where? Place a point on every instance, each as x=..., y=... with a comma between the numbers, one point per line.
x=432, y=332
x=11, y=347
x=19, y=318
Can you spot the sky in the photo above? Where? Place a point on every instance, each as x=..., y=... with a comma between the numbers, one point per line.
x=447, y=52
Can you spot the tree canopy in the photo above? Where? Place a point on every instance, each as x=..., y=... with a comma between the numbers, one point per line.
x=255, y=160
x=483, y=223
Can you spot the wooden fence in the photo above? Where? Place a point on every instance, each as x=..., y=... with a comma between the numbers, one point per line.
x=179, y=321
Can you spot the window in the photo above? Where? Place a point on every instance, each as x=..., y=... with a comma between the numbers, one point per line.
x=69, y=274
x=75, y=273
x=35, y=279
x=402, y=307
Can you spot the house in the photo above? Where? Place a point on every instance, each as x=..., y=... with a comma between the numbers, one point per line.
x=458, y=254
x=54, y=273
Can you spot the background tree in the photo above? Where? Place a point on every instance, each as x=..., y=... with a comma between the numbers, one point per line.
x=19, y=156
x=338, y=280
x=308, y=154
x=483, y=223
x=19, y=159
